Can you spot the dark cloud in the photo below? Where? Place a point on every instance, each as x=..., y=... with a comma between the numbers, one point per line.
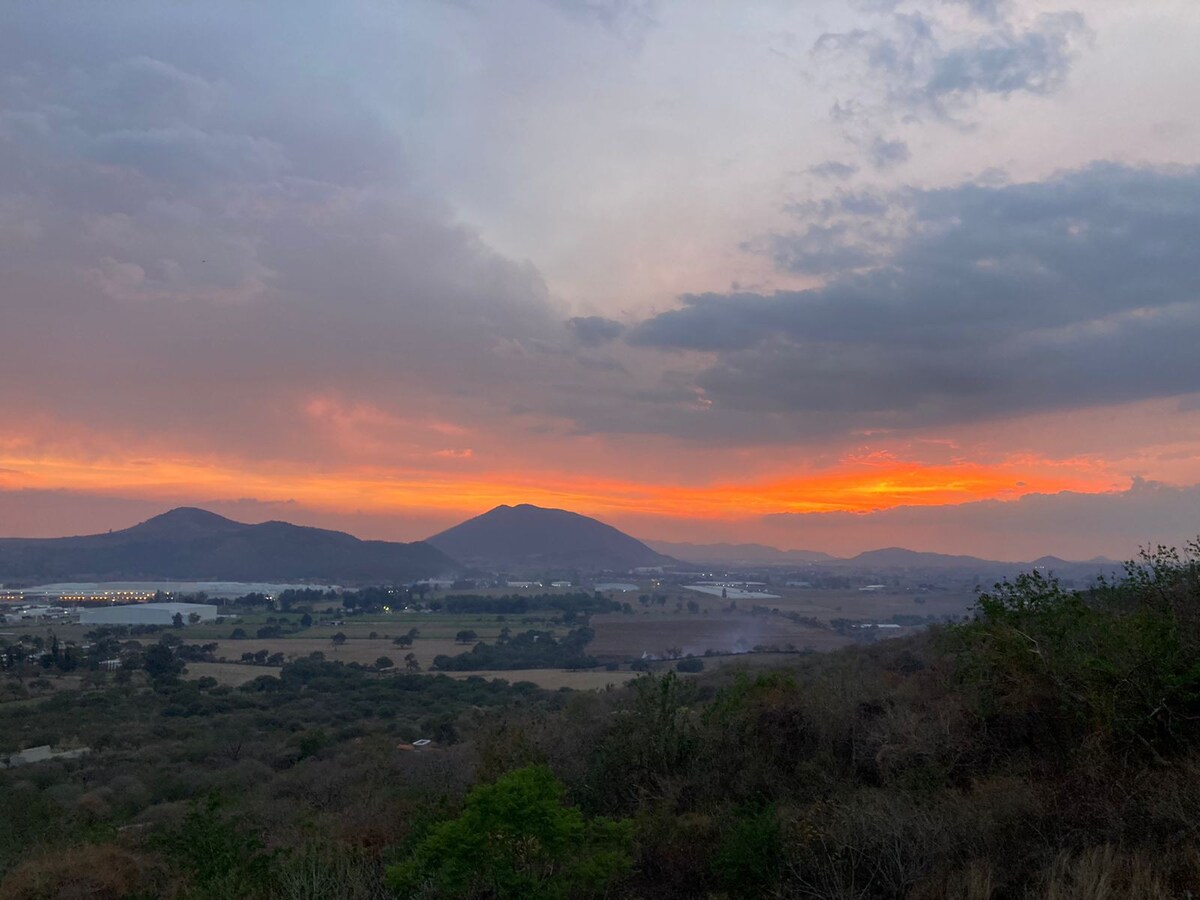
x=919, y=68
x=1083, y=289
x=833, y=169
x=820, y=249
x=592, y=331
x=848, y=230
x=887, y=154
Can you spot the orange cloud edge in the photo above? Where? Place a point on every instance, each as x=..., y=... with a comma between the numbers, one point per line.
x=852, y=486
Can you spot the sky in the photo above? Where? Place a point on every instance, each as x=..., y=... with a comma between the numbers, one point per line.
x=825, y=275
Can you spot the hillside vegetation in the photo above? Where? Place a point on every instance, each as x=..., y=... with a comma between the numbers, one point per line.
x=1048, y=748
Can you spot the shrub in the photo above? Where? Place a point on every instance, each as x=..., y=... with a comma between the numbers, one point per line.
x=516, y=840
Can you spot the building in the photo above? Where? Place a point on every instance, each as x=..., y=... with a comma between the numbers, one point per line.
x=44, y=753
x=147, y=614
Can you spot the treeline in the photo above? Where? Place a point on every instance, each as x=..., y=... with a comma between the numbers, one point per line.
x=580, y=603
x=531, y=649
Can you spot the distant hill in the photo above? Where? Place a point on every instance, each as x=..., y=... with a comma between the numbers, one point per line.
x=898, y=557
x=754, y=554
x=196, y=545
x=525, y=537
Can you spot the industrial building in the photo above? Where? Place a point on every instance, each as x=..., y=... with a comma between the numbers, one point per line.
x=147, y=614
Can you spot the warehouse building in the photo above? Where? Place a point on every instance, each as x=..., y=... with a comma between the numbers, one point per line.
x=147, y=614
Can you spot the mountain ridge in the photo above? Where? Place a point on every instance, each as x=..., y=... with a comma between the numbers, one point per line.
x=189, y=543
x=528, y=537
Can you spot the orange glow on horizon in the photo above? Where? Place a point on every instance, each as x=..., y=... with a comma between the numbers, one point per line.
x=852, y=487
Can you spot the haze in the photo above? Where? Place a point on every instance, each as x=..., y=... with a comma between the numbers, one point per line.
x=824, y=275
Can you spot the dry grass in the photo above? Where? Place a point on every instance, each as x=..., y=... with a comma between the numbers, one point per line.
x=627, y=637
x=1105, y=873
x=89, y=872
x=230, y=674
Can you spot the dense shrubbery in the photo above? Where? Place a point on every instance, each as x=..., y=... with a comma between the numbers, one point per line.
x=1046, y=749
x=515, y=839
x=579, y=603
x=527, y=650
x=1120, y=663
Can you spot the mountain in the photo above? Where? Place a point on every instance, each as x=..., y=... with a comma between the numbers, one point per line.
x=195, y=545
x=531, y=538
x=753, y=554
x=898, y=557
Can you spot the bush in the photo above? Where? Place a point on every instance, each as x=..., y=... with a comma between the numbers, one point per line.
x=1120, y=662
x=516, y=840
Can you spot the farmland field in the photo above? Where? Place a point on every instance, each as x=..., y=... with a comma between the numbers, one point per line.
x=630, y=636
x=231, y=674
x=359, y=650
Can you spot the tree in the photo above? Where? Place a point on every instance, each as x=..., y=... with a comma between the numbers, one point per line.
x=193, y=618
x=516, y=840
x=403, y=641
x=466, y=636
x=384, y=662
x=338, y=639
x=177, y=620
x=306, y=621
x=160, y=663
x=410, y=663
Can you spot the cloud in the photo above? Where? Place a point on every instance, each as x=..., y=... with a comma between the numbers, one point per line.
x=917, y=65
x=819, y=249
x=179, y=218
x=886, y=154
x=623, y=17
x=592, y=331
x=1068, y=524
x=832, y=168
x=993, y=300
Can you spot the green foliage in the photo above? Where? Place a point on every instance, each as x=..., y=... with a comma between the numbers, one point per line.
x=580, y=602
x=652, y=744
x=160, y=662
x=750, y=857
x=516, y=840
x=220, y=854
x=1121, y=662
x=531, y=649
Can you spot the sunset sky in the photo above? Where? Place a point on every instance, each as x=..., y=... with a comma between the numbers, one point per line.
x=826, y=275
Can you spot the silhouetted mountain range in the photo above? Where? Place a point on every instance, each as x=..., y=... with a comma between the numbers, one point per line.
x=900, y=558
x=196, y=545
x=531, y=538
